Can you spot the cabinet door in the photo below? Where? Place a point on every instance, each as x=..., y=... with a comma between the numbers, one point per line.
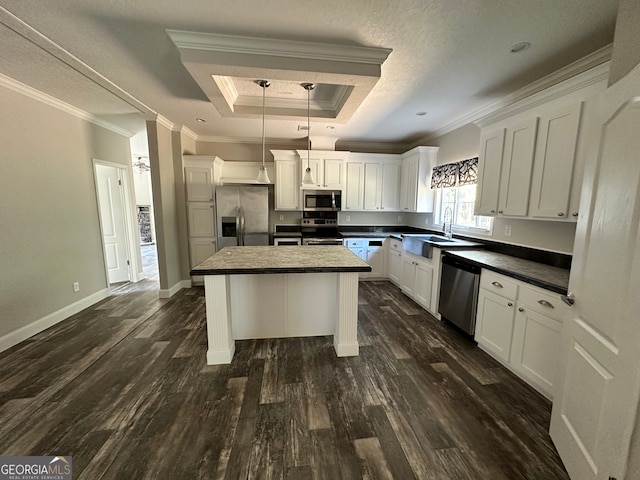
x=372, y=182
x=374, y=256
x=317, y=170
x=408, y=276
x=423, y=284
x=494, y=324
x=517, y=161
x=536, y=344
x=199, y=181
x=287, y=185
x=201, y=249
x=489, y=164
x=353, y=194
x=395, y=266
x=553, y=165
x=332, y=175
x=409, y=185
x=201, y=219
x=390, y=191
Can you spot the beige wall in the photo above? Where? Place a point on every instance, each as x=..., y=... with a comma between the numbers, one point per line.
x=161, y=155
x=626, y=42
x=458, y=145
x=244, y=152
x=181, y=144
x=50, y=233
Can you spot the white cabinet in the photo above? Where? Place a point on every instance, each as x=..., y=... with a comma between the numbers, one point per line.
x=520, y=325
x=408, y=278
x=554, y=163
x=201, y=219
x=200, y=249
x=372, y=251
x=287, y=186
x=489, y=164
x=372, y=182
x=395, y=261
x=417, y=279
x=327, y=168
x=354, y=188
x=416, y=194
x=199, y=183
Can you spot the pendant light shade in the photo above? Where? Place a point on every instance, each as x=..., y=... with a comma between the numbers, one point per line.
x=307, y=179
x=263, y=176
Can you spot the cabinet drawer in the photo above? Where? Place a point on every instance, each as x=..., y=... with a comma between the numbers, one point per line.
x=355, y=242
x=542, y=301
x=395, y=244
x=499, y=284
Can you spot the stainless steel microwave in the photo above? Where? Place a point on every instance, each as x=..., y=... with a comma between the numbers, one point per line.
x=321, y=200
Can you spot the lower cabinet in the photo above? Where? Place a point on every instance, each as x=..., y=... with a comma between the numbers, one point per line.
x=417, y=279
x=372, y=251
x=520, y=325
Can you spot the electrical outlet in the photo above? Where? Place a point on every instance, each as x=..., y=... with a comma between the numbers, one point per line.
x=426, y=221
x=281, y=217
x=76, y=286
x=348, y=218
x=507, y=230
x=399, y=218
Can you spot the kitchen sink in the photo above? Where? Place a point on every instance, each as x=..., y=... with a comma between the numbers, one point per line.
x=421, y=244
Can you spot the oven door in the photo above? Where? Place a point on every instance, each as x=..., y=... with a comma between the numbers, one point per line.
x=321, y=200
x=287, y=241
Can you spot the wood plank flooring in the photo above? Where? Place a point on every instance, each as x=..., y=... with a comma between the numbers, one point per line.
x=124, y=388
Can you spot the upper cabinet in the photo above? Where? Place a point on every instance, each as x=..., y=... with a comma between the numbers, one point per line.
x=372, y=182
x=327, y=167
x=416, y=194
x=199, y=183
x=531, y=155
x=287, y=181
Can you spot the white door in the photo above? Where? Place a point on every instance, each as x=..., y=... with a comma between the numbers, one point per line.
x=110, y=198
x=595, y=406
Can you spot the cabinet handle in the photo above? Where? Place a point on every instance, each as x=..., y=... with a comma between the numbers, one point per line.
x=521, y=309
x=575, y=214
x=560, y=214
x=510, y=304
x=381, y=208
x=493, y=211
x=544, y=303
x=497, y=284
x=500, y=211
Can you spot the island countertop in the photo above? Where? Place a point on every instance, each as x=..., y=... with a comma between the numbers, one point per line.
x=276, y=259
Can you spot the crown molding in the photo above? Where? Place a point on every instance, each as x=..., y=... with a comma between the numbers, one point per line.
x=580, y=74
x=278, y=48
x=189, y=133
x=42, y=97
x=164, y=122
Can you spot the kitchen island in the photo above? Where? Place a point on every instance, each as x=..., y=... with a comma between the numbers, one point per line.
x=275, y=292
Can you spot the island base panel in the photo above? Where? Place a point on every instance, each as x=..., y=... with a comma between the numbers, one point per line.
x=345, y=339
x=218, y=306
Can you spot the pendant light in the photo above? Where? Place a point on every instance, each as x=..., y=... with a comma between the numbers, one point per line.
x=307, y=179
x=263, y=177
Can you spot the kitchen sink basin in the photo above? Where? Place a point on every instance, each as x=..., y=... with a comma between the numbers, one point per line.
x=421, y=245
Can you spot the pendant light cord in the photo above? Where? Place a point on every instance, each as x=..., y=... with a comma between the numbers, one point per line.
x=308, y=128
x=263, y=142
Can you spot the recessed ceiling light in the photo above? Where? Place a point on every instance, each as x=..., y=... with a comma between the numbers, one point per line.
x=420, y=114
x=520, y=47
x=330, y=127
x=201, y=120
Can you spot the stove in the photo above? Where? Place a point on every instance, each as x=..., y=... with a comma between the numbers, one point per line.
x=320, y=228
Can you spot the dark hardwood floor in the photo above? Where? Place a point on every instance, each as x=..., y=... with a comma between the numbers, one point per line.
x=124, y=388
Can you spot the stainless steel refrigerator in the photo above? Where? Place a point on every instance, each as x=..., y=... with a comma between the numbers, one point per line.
x=242, y=215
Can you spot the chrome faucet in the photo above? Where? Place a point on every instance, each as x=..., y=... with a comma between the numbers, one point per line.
x=447, y=218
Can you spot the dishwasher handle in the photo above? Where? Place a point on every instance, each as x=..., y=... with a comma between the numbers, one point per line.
x=461, y=264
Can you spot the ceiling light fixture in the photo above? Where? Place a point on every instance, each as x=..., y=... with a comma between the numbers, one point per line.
x=520, y=47
x=263, y=177
x=307, y=179
x=421, y=114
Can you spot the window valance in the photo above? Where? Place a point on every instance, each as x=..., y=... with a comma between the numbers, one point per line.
x=460, y=173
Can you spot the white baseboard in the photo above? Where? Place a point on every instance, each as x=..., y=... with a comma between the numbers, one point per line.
x=13, y=338
x=164, y=293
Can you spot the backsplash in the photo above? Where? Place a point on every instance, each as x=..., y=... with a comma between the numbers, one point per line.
x=372, y=218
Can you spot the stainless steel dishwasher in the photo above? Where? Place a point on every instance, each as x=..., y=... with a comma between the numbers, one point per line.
x=459, y=293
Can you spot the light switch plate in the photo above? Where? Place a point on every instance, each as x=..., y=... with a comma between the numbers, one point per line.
x=507, y=230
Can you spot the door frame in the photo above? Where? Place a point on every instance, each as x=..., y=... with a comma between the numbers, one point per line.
x=130, y=219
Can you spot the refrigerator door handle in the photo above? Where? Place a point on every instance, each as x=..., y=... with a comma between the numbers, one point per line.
x=238, y=237
x=241, y=229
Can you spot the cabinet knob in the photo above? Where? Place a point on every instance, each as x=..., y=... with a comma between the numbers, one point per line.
x=381, y=208
x=560, y=214
x=377, y=208
x=521, y=309
x=493, y=211
x=575, y=214
x=497, y=284
x=510, y=304
x=569, y=298
x=500, y=211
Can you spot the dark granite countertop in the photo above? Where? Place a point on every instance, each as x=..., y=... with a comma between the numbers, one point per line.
x=544, y=276
x=271, y=259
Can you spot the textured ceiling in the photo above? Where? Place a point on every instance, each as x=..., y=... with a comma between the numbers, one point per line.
x=448, y=58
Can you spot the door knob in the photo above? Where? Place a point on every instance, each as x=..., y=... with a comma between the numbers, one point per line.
x=569, y=298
